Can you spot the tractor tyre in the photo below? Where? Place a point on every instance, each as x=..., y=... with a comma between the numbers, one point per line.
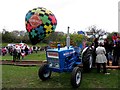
x=76, y=77
x=87, y=61
x=44, y=72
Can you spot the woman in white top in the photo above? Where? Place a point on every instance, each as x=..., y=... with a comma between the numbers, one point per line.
x=101, y=58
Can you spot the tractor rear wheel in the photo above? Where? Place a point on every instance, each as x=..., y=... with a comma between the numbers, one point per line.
x=87, y=61
x=44, y=72
x=76, y=77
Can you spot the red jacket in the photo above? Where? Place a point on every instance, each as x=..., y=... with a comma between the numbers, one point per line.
x=114, y=37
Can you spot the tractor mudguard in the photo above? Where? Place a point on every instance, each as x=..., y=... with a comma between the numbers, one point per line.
x=87, y=59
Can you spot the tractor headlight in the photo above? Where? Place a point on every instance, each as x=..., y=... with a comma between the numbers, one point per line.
x=57, y=65
x=50, y=64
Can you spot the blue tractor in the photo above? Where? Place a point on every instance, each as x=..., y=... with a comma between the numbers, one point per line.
x=67, y=59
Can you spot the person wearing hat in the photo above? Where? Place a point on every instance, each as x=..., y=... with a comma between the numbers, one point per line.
x=101, y=58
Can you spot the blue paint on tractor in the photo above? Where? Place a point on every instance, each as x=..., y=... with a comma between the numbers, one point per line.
x=63, y=59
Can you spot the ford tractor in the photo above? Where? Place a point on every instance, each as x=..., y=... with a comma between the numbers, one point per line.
x=67, y=59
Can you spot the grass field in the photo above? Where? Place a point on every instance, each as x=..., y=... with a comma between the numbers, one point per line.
x=27, y=77
x=40, y=55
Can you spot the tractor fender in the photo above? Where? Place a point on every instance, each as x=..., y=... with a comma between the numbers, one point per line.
x=87, y=59
x=83, y=51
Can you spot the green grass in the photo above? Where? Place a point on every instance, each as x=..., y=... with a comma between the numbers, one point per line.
x=27, y=77
x=40, y=55
x=36, y=56
x=4, y=44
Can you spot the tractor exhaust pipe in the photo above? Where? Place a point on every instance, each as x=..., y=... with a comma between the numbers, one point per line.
x=68, y=39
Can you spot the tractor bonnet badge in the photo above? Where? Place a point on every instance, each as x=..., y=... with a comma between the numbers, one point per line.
x=52, y=54
x=67, y=53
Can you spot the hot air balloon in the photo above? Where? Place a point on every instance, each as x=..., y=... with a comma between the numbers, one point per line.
x=39, y=22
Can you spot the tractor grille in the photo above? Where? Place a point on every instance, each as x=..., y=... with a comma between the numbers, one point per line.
x=53, y=59
x=53, y=62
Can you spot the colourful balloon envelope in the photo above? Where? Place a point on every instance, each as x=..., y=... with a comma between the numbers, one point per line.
x=40, y=22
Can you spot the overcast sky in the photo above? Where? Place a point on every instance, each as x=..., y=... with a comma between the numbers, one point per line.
x=77, y=14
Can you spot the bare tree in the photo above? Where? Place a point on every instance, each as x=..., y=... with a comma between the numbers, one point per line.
x=96, y=32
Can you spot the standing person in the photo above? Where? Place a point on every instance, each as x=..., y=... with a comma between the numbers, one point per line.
x=115, y=38
x=106, y=45
x=110, y=50
x=94, y=51
x=18, y=52
x=84, y=44
x=116, y=54
x=36, y=49
x=101, y=58
x=26, y=50
x=22, y=53
x=14, y=55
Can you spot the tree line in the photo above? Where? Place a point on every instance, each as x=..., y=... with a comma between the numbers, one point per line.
x=76, y=39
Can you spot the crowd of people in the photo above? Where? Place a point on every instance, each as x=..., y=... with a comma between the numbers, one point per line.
x=105, y=52
x=19, y=51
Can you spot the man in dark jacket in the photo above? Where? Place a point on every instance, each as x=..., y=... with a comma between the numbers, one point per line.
x=116, y=54
x=94, y=51
x=106, y=46
x=14, y=55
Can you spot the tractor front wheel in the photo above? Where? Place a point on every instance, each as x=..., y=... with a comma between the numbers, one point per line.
x=76, y=77
x=44, y=72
